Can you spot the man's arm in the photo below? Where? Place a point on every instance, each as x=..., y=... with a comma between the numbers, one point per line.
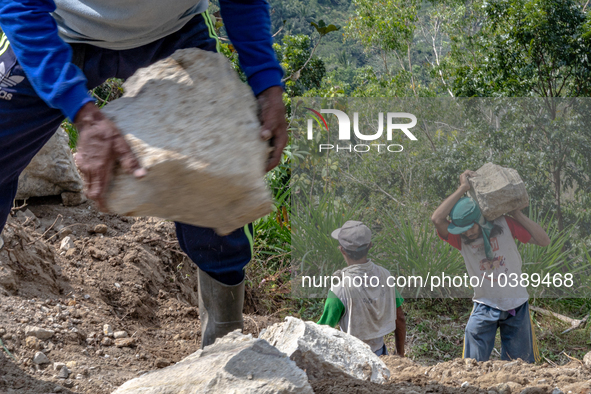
x=439, y=217
x=43, y=55
x=538, y=235
x=333, y=311
x=248, y=24
x=400, y=331
x=47, y=62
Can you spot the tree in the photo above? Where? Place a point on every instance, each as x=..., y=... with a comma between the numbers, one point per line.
x=303, y=70
x=386, y=27
x=528, y=48
x=535, y=48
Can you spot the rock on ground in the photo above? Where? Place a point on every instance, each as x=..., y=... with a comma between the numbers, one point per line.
x=71, y=199
x=587, y=359
x=323, y=351
x=498, y=190
x=39, y=332
x=193, y=125
x=236, y=363
x=40, y=358
x=52, y=171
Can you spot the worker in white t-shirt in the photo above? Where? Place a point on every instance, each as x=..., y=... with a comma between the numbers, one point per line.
x=490, y=253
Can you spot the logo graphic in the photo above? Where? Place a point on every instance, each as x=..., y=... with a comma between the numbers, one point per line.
x=345, y=129
x=317, y=121
x=7, y=82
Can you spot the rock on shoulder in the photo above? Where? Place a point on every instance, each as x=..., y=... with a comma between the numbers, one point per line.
x=323, y=351
x=498, y=190
x=193, y=125
x=236, y=363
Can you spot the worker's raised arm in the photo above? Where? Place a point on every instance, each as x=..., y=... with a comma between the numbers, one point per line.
x=439, y=217
x=45, y=58
x=538, y=234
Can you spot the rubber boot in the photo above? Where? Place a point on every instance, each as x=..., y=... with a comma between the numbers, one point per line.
x=220, y=308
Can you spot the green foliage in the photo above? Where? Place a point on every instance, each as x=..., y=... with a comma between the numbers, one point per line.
x=228, y=51
x=387, y=28
x=413, y=248
x=323, y=29
x=293, y=54
x=548, y=142
x=110, y=90
x=72, y=133
x=384, y=26
x=273, y=232
x=315, y=252
x=528, y=48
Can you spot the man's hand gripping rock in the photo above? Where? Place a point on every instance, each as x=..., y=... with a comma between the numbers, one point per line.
x=100, y=146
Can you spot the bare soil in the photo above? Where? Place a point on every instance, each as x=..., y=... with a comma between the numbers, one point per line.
x=130, y=274
x=468, y=376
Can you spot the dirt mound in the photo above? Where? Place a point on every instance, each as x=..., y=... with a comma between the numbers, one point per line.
x=127, y=273
x=27, y=263
x=468, y=376
x=126, y=263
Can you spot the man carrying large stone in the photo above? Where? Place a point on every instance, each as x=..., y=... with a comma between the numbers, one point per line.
x=51, y=54
x=489, y=251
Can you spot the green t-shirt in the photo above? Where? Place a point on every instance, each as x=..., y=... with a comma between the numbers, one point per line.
x=334, y=309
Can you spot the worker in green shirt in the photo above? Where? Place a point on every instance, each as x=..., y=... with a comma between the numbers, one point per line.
x=363, y=303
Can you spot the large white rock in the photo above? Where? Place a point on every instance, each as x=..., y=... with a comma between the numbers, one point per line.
x=236, y=363
x=323, y=351
x=193, y=125
x=587, y=359
x=498, y=190
x=52, y=170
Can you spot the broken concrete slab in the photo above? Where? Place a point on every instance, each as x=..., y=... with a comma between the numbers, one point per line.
x=52, y=171
x=324, y=352
x=498, y=190
x=193, y=125
x=236, y=363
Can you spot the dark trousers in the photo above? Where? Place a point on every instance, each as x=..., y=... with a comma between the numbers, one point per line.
x=27, y=123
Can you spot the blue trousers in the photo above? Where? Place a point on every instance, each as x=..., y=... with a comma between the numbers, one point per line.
x=27, y=123
x=383, y=351
x=517, y=335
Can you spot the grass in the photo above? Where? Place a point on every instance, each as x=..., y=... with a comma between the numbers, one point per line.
x=435, y=328
x=407, y=249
